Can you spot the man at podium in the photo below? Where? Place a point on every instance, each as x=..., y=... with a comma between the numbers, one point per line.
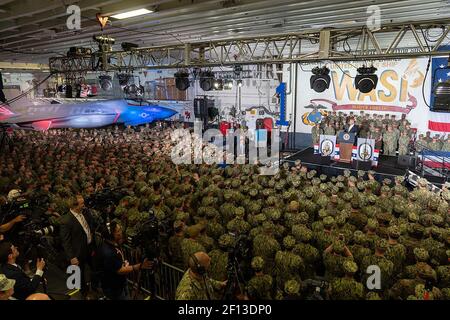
x=351, y=127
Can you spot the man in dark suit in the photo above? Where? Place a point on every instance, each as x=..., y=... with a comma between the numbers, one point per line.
x=24, y=286
x=76, y=232
x=351, y=127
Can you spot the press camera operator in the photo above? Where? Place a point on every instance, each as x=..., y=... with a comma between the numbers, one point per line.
x=13, y=195
x=24, y=286
x=114, y=267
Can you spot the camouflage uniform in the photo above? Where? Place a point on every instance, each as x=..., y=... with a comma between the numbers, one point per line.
x=403, y=144
x=266, y=247
x=260, y=286
x=288, y=265
x=386, y=266
x=175, y=251
x=188, y=248
x=347, y=288
x=316, y=131
x=389, y=143
x=190, y=288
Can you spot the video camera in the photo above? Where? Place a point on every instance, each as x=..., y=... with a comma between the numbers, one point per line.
x=316, y=288
x=147, y=238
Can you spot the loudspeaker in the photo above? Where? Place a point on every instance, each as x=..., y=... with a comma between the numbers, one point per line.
x=362, y=165
x=406, y=161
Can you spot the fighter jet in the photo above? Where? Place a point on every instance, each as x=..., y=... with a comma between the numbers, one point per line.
x=84, y=115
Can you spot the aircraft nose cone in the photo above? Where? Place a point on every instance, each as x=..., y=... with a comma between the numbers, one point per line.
x=167, y=113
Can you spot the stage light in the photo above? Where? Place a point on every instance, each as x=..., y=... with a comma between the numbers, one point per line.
x=218, y=84
x=239, y=83
x=228, y=84
x=105, y=83
x=366, y=80
x=182, y=80
x=320, y=80
x=207, y=80
x=131, y=14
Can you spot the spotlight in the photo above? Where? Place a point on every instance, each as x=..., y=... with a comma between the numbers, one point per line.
x=124, y=78
x=228, y=84
x=366, y=80
x=182, y=80
x=207, y=80
x=239, y=83
x=105, y=82
x=237, y=70
x=218, y=84
x=442, y=96
x=320, y=80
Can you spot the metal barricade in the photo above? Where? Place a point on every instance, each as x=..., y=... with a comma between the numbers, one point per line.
x=163, y=281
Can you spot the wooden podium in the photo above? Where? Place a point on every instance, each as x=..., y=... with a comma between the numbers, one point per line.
x=346, y=141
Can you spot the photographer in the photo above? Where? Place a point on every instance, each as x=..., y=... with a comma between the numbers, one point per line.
x=114, y=267
x=13, y=195
x=24, y=286
x=195, y=284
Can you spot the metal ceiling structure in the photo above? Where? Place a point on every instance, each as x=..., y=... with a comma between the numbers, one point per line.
x=33, y=31
x=325, y=44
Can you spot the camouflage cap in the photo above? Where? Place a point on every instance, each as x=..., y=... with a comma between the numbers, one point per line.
x=340, y=178
x=382, y=244
x=338, y=246
x=425, y=271
x=361, y=174
x=178, y=224
x=373, y=296
x=347, y=173
x=301, y=233
x=385, y=189
x=340, y=185
x=413, y=196
x=323, y=177
x=289, y=242
x=257, y=263
x=291, y=287
x=447, y=253
x=323, y=187
x=413, y=217
x=399, y=179
x=298, y=162
x=422, y=182
x=226, y=240
x=437, y=220
x=371, y=172
x=387, y=181
x=350, y=266
x=359, y=237
x=421, y=254
x=328, y=221
x=333, y=179
x=394, y=232
x=361, y=185
x=352, y=179
x=372, y=224
x=311, y=174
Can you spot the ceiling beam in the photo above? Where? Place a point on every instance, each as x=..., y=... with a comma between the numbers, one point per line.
x=24, y=66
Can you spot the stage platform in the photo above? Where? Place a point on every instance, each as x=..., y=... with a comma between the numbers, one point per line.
x=387, y=166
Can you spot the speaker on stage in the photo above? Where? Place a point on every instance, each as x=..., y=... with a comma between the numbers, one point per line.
x=362, y=165
x=406, y=161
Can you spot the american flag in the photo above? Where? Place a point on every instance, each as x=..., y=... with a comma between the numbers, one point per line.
x=439, y=122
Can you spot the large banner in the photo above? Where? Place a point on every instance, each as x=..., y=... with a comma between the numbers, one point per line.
x=399, y=91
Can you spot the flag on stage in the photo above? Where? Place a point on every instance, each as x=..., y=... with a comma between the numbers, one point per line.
x=439, y=121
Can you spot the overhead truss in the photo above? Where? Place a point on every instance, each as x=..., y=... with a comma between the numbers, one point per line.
x=310, y=46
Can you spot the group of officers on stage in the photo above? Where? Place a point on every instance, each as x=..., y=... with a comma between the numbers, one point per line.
x=391, y=135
